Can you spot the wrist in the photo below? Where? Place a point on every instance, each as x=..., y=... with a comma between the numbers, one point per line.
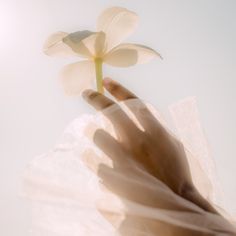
x=190, y=193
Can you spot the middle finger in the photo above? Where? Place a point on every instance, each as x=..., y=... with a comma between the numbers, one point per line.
x=142, y=112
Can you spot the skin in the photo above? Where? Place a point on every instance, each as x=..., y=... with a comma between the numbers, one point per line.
x=154, y=149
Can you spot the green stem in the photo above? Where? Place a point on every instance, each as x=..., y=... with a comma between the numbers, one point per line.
x=98, y=67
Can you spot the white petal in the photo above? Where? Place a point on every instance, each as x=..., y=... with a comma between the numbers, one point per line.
x=87, y=43
x=78, y=76
x=117, y=23
x=54, y=45
x=128, y=54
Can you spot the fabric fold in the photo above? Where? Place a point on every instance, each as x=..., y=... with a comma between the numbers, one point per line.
x=68, y=198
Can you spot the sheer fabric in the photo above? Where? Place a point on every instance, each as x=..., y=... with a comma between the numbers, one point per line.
x=68, y=198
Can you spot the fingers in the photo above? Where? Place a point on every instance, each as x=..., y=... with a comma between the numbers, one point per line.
x=96, y=99
x=144, y=116
x=110, y=146
x=91, y=159
x=118, y=117
x=117, y=90
x=125, y=183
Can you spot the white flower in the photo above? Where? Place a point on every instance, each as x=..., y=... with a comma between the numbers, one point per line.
x=104, y=46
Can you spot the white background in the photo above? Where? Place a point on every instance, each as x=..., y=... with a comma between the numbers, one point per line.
x=195, y=37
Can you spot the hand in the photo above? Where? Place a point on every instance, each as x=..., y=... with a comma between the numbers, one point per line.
x=161, y=154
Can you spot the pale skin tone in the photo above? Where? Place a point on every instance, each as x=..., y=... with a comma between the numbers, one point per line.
x=159, y=153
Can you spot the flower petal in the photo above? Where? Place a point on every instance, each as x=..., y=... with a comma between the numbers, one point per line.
x=129, y=54
x=117, y=23
x=54, y=45
x=77, y=76
x=86, y=43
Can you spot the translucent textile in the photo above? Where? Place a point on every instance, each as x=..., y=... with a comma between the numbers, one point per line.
x=68, y=198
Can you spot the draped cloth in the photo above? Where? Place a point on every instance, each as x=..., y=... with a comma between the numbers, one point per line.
x=69, y=199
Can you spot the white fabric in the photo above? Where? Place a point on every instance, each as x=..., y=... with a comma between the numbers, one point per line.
x=68, y=200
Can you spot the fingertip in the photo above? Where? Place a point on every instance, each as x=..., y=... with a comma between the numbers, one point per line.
x=107, y=81
x=85, y=94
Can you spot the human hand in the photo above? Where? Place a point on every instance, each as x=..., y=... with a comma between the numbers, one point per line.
x=155, y=149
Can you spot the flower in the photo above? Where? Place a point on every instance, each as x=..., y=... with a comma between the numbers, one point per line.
x=103, y=46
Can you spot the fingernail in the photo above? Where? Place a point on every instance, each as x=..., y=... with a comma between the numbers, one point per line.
x=107, y=81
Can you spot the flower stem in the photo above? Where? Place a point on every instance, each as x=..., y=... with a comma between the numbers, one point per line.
x=98, y=67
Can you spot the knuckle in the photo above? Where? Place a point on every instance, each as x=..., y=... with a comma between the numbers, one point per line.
x=114, y=87
x=143, y=143
x=93, y=95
